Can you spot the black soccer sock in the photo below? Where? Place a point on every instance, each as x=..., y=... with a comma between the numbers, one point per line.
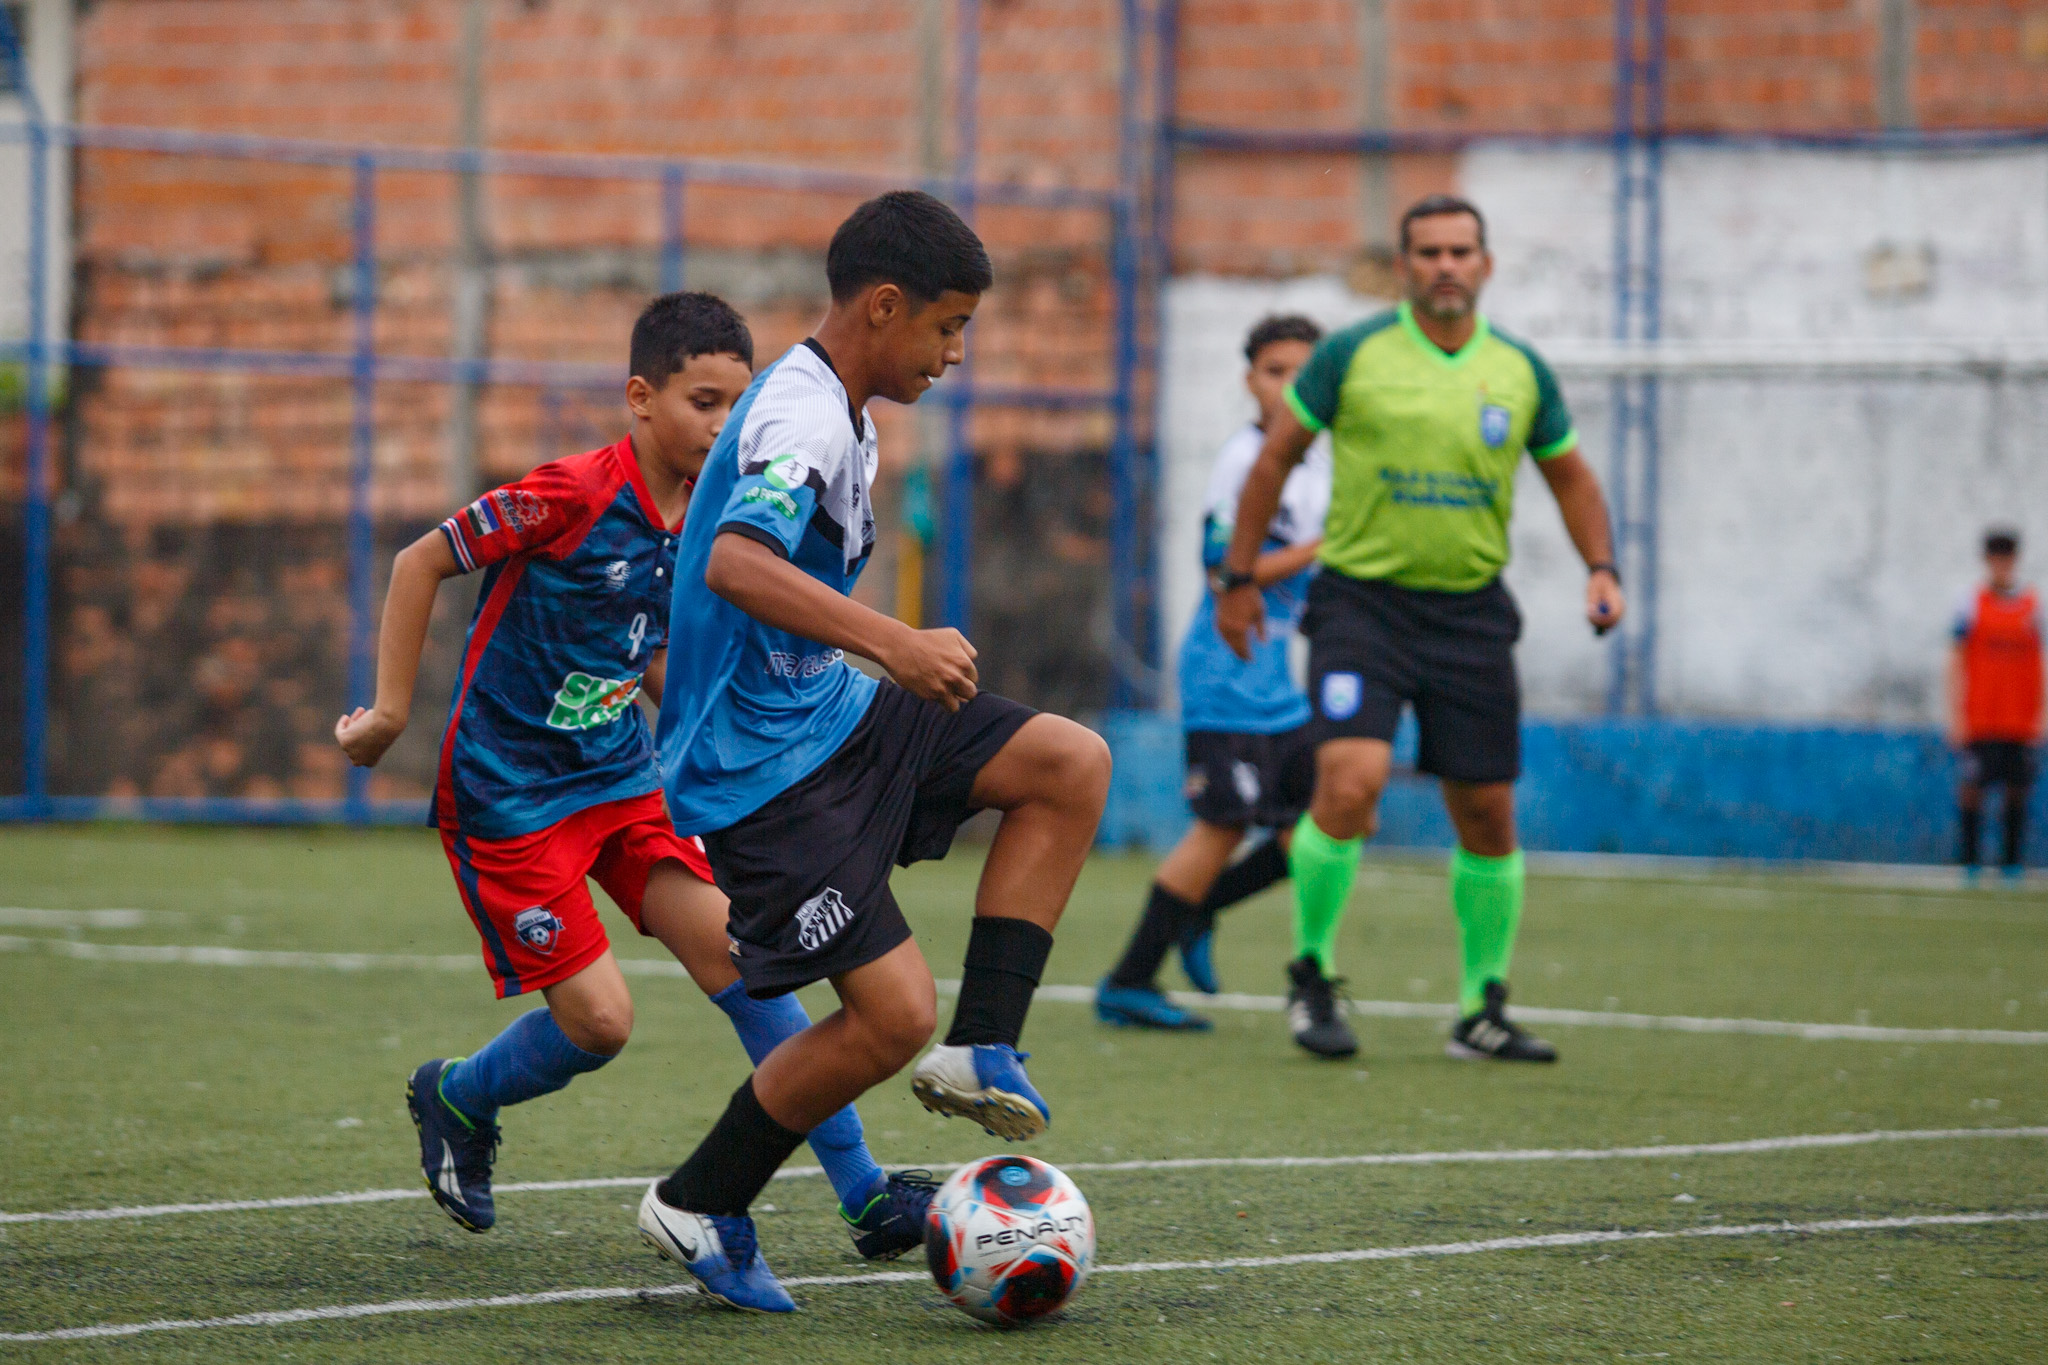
x=1165, y=916
x=1005, y=959
x=1247, y=877
x=2015, y=824
x=1971, y=821
x=734, y=1162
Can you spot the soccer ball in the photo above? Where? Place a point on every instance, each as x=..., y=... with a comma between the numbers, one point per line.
x=1009, y=1239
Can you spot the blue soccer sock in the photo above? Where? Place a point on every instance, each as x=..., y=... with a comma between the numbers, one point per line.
x=531, y=1057
x=839, y=1143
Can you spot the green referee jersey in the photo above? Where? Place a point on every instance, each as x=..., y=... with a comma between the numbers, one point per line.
x=1425, y=447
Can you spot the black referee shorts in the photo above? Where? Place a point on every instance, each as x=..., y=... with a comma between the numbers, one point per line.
x=1375, y=647
x=808, y=873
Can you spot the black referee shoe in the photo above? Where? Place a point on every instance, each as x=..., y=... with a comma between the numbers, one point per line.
x=1489, y=1034
x=1314, y=1015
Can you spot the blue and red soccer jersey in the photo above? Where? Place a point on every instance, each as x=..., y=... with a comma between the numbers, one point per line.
x=547, y=771
x=575, y=599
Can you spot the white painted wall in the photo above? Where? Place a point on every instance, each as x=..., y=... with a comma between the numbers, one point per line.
x=50, y=76
x=1816, y=531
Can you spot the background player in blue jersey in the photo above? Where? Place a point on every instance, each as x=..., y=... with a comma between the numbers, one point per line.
x=547, y=773
x=809, y=780
x=1248, y=761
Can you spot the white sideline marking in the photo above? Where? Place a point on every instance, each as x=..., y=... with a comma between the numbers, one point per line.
x=287, y=1317
x=1069, y=995
x=1676, y=1023
x=22, y=917
x=1798, y=1142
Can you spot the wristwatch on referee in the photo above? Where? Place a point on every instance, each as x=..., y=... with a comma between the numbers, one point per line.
x=1224, y=579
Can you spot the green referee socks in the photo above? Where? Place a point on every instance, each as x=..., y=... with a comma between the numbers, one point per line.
x=1323, y=870
x=1487, y=895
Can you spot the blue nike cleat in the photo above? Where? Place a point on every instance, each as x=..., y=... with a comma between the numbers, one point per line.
x=1143, y=1007
x=984, y=1082
x=1198, y=957
x=720, y=1251
x=456, y=1152
x=893, y=1221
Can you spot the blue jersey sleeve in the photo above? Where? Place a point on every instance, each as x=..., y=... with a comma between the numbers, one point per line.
x=778, y=488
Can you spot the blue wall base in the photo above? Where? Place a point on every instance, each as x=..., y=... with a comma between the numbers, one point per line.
x=1686, y=788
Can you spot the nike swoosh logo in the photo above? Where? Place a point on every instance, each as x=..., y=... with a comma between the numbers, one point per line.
x=449, y=1183
x=686, y=1243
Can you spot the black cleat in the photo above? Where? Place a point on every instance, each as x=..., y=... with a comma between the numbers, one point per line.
x=1314, y=1013
x=893, y=1221
x=1489, y=1034
x=456, y=1152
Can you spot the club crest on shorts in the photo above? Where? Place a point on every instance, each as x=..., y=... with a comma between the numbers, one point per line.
x=1342, y=693
x=1245, y=778
x=1494, y=421
x=538, y=928
x=820, y=917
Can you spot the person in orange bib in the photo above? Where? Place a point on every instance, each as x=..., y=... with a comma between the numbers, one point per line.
x=1995, y=699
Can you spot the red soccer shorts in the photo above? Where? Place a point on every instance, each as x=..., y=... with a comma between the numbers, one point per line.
x=529, y=896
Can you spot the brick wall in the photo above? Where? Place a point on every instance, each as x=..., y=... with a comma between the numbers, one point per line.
x=202, y=511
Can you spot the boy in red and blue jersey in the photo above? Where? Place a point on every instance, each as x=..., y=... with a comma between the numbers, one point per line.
x=547, y=775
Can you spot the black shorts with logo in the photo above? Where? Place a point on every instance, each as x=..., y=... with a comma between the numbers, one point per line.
x=1238, y=779
x=1998, y=763
x=808, y=873
x=1374, y=647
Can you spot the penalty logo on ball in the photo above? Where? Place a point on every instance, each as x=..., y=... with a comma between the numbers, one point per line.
x=1009, y=1239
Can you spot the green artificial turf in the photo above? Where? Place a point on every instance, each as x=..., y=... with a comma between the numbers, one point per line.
x=148, y=1083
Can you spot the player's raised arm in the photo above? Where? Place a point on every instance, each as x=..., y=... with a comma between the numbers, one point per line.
x=937, y=665
x=1239, y=609
x=365, y=733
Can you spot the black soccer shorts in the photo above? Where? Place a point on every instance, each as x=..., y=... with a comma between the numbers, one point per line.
x=1236, y=779
x=1375, y=647
x=808, y=873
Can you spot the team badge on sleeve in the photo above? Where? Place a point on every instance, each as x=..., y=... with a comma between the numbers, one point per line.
x=482, y=517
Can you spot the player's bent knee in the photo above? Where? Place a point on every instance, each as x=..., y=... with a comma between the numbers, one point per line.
x=1079, y=774
x=602, y=1029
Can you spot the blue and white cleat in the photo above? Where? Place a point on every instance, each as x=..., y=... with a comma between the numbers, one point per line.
x=1198, y=957
x=456, y=1152
x=1143, y=1007
x=721, y=1252
x=984, y=1082
x=892, y=1222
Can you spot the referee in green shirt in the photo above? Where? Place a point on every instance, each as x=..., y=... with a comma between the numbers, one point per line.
x=1429, y=410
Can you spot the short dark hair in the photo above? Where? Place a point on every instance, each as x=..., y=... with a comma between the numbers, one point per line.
x=676, y=327
x=2001, y=540
x=1280, y=327
x=1436, y=206
x=911, y=240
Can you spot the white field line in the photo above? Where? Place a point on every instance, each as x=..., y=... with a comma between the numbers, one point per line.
x=168, y=954
x=22, y=917
x=1482, y=1156
x=1604, y=1237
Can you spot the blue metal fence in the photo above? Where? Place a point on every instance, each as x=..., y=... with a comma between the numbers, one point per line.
x=366, y=367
